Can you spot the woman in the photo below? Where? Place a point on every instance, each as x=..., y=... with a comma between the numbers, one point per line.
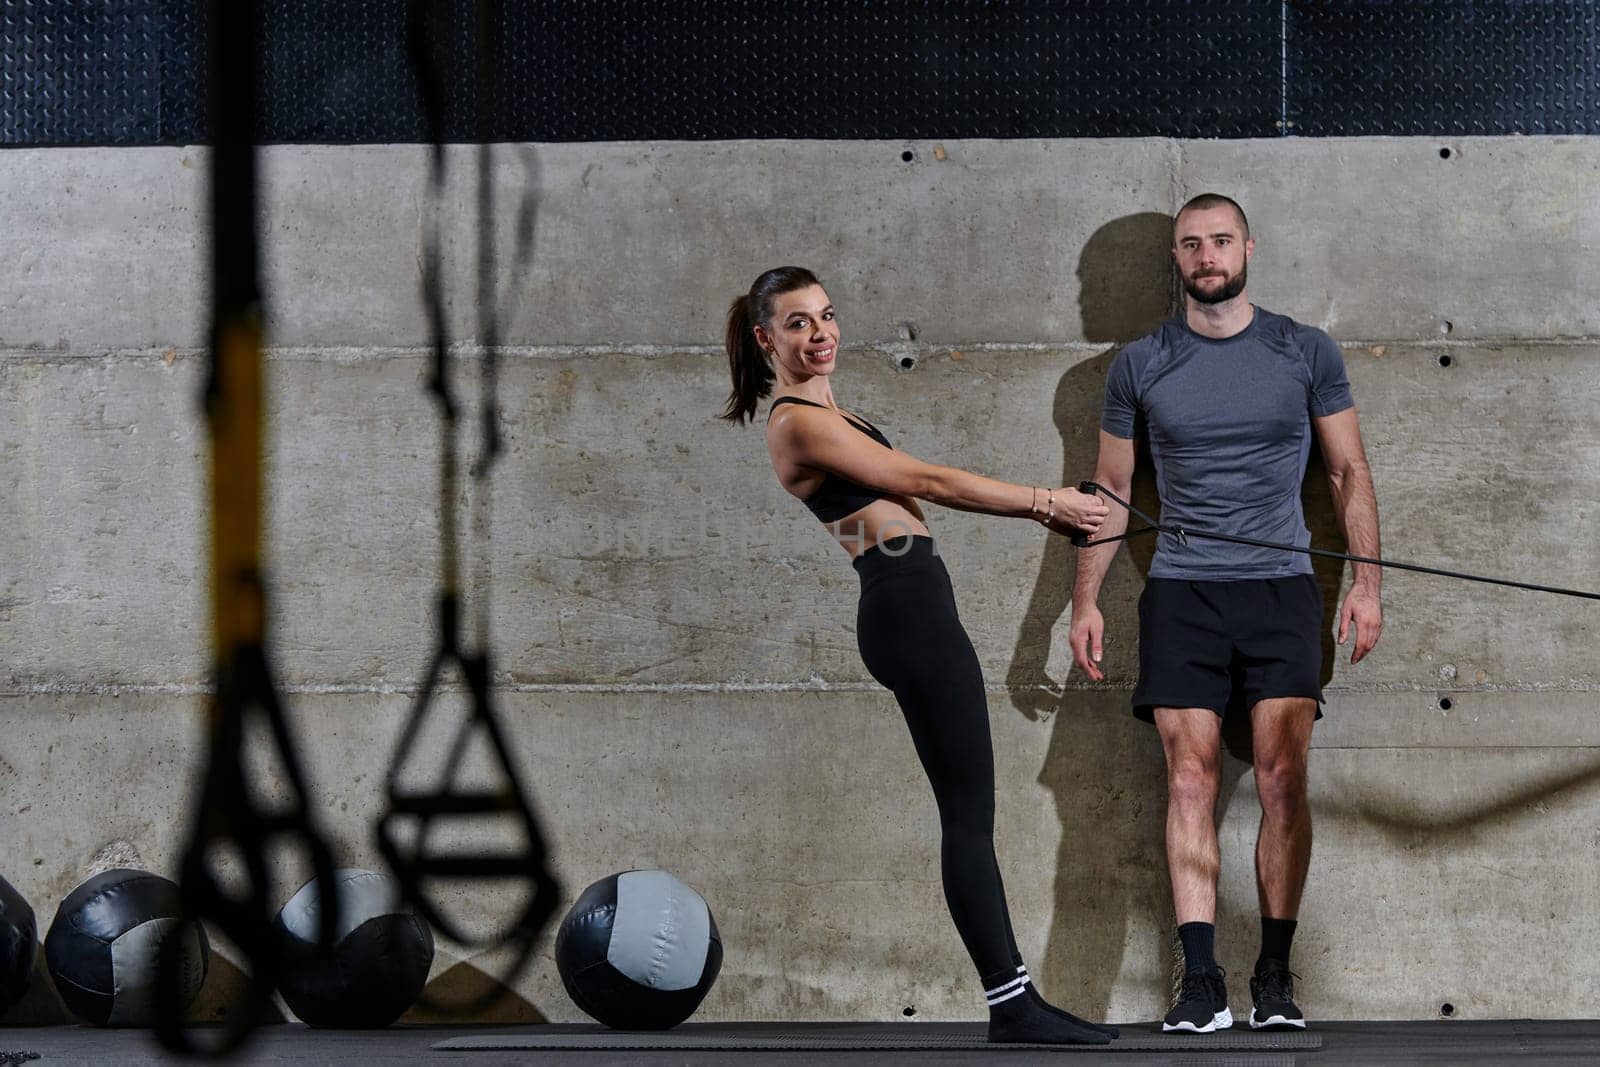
x=784, y=331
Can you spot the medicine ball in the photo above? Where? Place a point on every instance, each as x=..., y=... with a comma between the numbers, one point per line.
x=104, y=947
x=18, y=939
x=376, y=967
x=639, y=951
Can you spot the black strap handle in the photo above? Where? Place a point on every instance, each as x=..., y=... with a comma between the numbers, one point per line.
x=231, y=825
x=412, y=816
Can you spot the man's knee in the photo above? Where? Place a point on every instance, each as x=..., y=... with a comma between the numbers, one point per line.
x=1282, y=735
x=1192, y=740
x=1193, y=780
x=1281, y=784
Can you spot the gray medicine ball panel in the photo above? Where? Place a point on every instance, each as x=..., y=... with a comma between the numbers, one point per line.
x=135, y=961
x=362, y=895
x=661, y=932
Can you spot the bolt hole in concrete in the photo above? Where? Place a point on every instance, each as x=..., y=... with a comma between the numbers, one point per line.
x=1447, y=1010
x=1445, y=360
x=908, y=333
x=909, y=1012
x=1445, y=153
x=907, y=156
x=1445, y=704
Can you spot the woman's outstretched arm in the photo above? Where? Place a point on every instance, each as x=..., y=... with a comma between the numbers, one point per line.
x=825, y=443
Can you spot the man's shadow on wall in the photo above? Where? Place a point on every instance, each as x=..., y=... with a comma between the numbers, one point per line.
x=1104, y=768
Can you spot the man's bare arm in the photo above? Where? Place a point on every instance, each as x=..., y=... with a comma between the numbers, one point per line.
x=1355, y=505
x=1114, y=470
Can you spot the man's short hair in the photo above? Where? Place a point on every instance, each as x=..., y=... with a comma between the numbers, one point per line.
x=1211, y=200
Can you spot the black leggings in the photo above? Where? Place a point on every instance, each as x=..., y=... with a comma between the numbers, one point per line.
x=912, y=641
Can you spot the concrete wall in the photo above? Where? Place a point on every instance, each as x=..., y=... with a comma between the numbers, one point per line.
x=676, y=656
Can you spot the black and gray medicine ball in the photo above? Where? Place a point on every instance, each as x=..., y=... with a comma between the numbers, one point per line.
x=377, y=965
x=18, y=937
x=104, y=947
x=639, y=951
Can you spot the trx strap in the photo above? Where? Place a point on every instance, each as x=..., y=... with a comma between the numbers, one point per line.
x=233, y=829
x=412, y=816
x=1182, y=533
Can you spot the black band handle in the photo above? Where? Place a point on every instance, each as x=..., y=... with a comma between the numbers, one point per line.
x=1080, y=538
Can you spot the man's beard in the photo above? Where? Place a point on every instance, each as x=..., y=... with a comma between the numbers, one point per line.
x=1227, y=291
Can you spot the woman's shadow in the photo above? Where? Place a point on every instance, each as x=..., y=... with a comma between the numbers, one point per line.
x=1104, y=768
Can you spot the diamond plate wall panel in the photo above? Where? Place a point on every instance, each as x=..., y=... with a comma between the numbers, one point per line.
x=129, y=71
x=336, y=70
x=726, y=69
x=1413, y=69
x=628, y=69
x=79, y=71
x=182, y=119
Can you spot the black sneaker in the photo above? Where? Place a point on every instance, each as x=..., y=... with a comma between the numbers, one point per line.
x=1202, y=1006
x=1272, y=1005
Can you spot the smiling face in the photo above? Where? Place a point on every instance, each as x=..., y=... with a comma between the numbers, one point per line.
x=1213, y=252
x=802, y=337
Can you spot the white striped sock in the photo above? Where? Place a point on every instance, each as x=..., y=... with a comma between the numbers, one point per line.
x=1006, y=990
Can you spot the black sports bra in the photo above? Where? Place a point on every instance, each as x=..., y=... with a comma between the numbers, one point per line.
x=837, y=497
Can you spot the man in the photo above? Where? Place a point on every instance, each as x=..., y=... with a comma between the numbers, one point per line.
x=1230, y=396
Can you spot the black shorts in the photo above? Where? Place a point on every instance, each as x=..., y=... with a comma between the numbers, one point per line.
x=1221, y=644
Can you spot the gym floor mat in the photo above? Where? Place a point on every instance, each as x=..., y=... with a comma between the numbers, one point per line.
x=715, y=1037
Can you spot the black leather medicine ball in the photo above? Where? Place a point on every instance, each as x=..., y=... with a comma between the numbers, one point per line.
x=377, y=966
x=18, y=940
x=639, y=951
x=104, y=947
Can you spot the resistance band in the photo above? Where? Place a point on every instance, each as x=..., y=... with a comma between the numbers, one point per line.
x=1082, y=540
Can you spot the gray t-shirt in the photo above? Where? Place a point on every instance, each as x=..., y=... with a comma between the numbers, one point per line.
x=1229, y=425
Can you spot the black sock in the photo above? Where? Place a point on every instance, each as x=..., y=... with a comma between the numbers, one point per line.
x=1016, y=1016
x=1276, y=937
x=1038, y=999
x=1199, y=946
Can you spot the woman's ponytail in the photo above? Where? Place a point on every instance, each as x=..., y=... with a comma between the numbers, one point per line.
x=747, y=364
x=752, y=374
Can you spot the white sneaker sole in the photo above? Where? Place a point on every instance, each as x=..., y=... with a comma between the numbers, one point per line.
x=1222, y=1021
x=1275, y=1021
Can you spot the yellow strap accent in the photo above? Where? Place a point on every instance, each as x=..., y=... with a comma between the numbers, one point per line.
x=237, y=410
